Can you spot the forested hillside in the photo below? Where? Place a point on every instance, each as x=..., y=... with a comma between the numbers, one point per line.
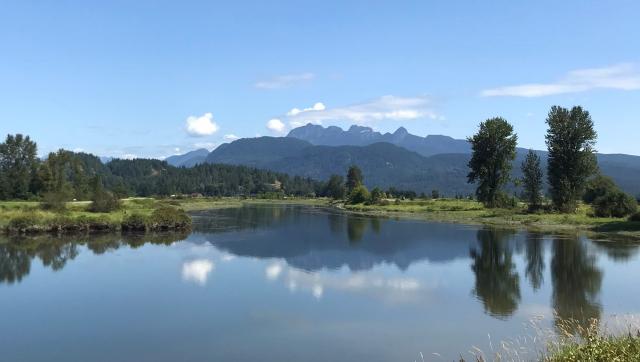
x=386, y=165
x=69, y=175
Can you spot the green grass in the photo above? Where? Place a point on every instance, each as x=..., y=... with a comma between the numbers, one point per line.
x=473, y=212
x=27, y=215
x=595, y=341
x=206, y=203
x=446, y=210
x=599, y=347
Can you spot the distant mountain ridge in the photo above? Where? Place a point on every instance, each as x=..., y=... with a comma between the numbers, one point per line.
x=384, y=164
x=363, y=136
x=188, y=159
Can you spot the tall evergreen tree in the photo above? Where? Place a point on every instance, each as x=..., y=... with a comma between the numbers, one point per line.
x=354, y=178
x=494, y=147
x=335, y=187
x=18, y=165
x=570, y=140
x=532, y=179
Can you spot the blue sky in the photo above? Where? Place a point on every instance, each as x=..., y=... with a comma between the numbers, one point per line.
x=153, y=78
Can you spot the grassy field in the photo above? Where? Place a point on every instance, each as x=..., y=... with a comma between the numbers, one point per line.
x=445, y=210
x=472, y=212
x=28, y=216
x=205, y=203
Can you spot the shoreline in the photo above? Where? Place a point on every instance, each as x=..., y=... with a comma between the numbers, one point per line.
x=464, y=212
x=136, y=215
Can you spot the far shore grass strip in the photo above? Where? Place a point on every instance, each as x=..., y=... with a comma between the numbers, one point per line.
x=442, y=210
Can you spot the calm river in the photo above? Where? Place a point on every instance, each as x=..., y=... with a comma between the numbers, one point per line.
x=290, y=283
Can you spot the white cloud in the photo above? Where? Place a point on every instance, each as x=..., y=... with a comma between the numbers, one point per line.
x=230, y=137
x=285, y=81
x=202, y=125
x=78, y=149
x=619, y=76
x=128, y=156
x=197, y=271
x=385, y=108
x=276, y=125
x=319, y=106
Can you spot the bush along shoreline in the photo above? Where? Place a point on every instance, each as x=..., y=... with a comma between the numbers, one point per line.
x=161, y=218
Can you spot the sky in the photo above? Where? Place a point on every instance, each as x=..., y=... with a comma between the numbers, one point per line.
x=156, y=78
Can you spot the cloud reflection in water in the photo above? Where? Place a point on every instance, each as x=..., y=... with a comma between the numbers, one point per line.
x=197, y=271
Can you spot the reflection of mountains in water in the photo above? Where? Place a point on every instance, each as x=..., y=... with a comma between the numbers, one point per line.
x=313, y=239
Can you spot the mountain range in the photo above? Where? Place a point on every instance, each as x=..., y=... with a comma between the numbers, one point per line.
x=188, y=159
x=398, y=159
x=363, y=136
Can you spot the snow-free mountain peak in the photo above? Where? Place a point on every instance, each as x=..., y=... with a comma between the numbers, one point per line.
x=362, y=136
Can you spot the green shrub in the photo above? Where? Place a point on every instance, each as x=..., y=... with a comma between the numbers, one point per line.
x=376, y=196
x=597, y=347
x=358, y=195
x=67, y=223
x=597, y=187
x=23, y=223
x=104, y=201
x=635, y=217
x=165, y=218
x=56, y=201
x=615, y=204
x=134, y=222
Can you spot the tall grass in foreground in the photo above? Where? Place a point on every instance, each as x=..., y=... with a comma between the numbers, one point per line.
x=615, y=339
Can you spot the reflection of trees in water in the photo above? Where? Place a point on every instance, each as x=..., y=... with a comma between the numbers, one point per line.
x=54, y=252
x=576, y=282
x=56, y=255
x=14, y=264
x=621, y=250
x=534, y=253
x=357, y=226
x=497, y=282
x=336, y=223
x=245, y=217
x=255, y=217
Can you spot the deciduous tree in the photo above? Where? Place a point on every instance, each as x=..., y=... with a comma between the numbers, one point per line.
x=570, y=140
x=532, y=179
x=18, y=165
x=494, y=147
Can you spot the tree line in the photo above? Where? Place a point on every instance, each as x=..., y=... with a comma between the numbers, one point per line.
x=572, y=174
x=64, y=175
x=572, y=170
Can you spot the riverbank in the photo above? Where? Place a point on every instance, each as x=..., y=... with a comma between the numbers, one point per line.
x=135, y=214
x=474, y=213
x=453, y=211
x=138, y=214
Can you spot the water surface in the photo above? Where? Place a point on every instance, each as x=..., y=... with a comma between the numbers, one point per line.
x=284, y=283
